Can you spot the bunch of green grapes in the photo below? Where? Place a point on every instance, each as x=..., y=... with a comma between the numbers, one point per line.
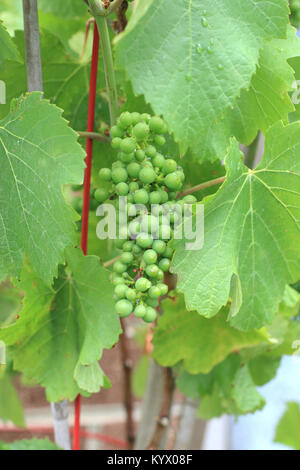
x=147, y=178
x=295, y=13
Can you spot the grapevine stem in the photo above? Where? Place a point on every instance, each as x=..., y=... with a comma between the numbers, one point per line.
x=114, y=6
x=109, y=70
x=110, y=262
x=93, y=136
x=201, y=186
x=32, y=46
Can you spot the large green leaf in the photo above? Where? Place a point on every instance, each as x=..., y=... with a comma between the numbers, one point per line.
x=39, y=153
x=252, y=236
x=228, y=388
x=65, y=9
x=287, y=431
x=265, y=102
x=10, y=406
x=206, y=342
x=62, y=331
x=66, y=81
x=7, y=48
x=191, y=59
x=29, y=444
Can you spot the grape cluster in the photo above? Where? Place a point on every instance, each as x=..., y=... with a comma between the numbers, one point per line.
x=147, y=178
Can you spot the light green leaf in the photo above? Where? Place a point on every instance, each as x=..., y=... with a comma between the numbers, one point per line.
x=29, y=444
x=206, y=342
x=252, y=230
x=287, y=431
x=7, y=47
x=265, y=102
x=64, y=328
x=191, y=59
x=10, y=406
x=264, y=368
x=65, y=9
x=39, y=153
x=244, y=392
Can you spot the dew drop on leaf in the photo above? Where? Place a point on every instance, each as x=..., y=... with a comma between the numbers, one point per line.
x=204, y=22
x=188, y=78
x=199, y=48
x=220, y=67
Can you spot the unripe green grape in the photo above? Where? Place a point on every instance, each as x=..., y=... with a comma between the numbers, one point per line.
x=122, y=189
x=164, y=196
x=140, y=311
x=136, y=117
x=123, y=233
x=105, y=174
x=93, y=204
x=174, y=217
x=116, y=131
x=136, y=250
x=125, y=119
x=168, y=253
x=130, y=198
x=147, y=175
x=160, y=140
x=128, y=246
x=133, y=186
x=154, y=197
x=190, y=199
x=142, y=284
x=133, y=169
x=173, y=181
x=165, y=232
x=156, y=125
x=126, y=257
x=116, y=142
x=159, y=246
x=120, y=290
x=154, y=292
x=127, y=145
x=101, y=195
x=144, y=240
x=119, y=175
x=77, y=204
x=180, y=173
x=150, y=151
x=134, y=228
x=141, y=197
x=164, y=264
x=150, y=257
x=159, y=161
x=149, y=224
x=140, y=155
x=150, y=315
x=163, y=288
x=126, y=157
x=152, y=270
x=170, y=166
x=160, y=275
x=172, y=196
x=119, y=267
x=131, y=209
x=141, y=131
x=152, y=302
x=118, y=280
x=131, y=295
x=124, y=308
x=145, y=117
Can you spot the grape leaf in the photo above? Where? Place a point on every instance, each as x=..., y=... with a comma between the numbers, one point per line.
x=228, y=388
x=29, y=444
x=62, y=331
x=10, y=406
x=65, y=79
x=39, y=154
x=191, y=59
x=287, y=431
x=252, y=235
x=7, y=48
x=65, y=9
x=265, y=102
x=207, y=342
x=264, y=368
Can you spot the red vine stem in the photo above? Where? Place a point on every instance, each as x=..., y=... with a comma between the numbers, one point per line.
x=86, y=192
